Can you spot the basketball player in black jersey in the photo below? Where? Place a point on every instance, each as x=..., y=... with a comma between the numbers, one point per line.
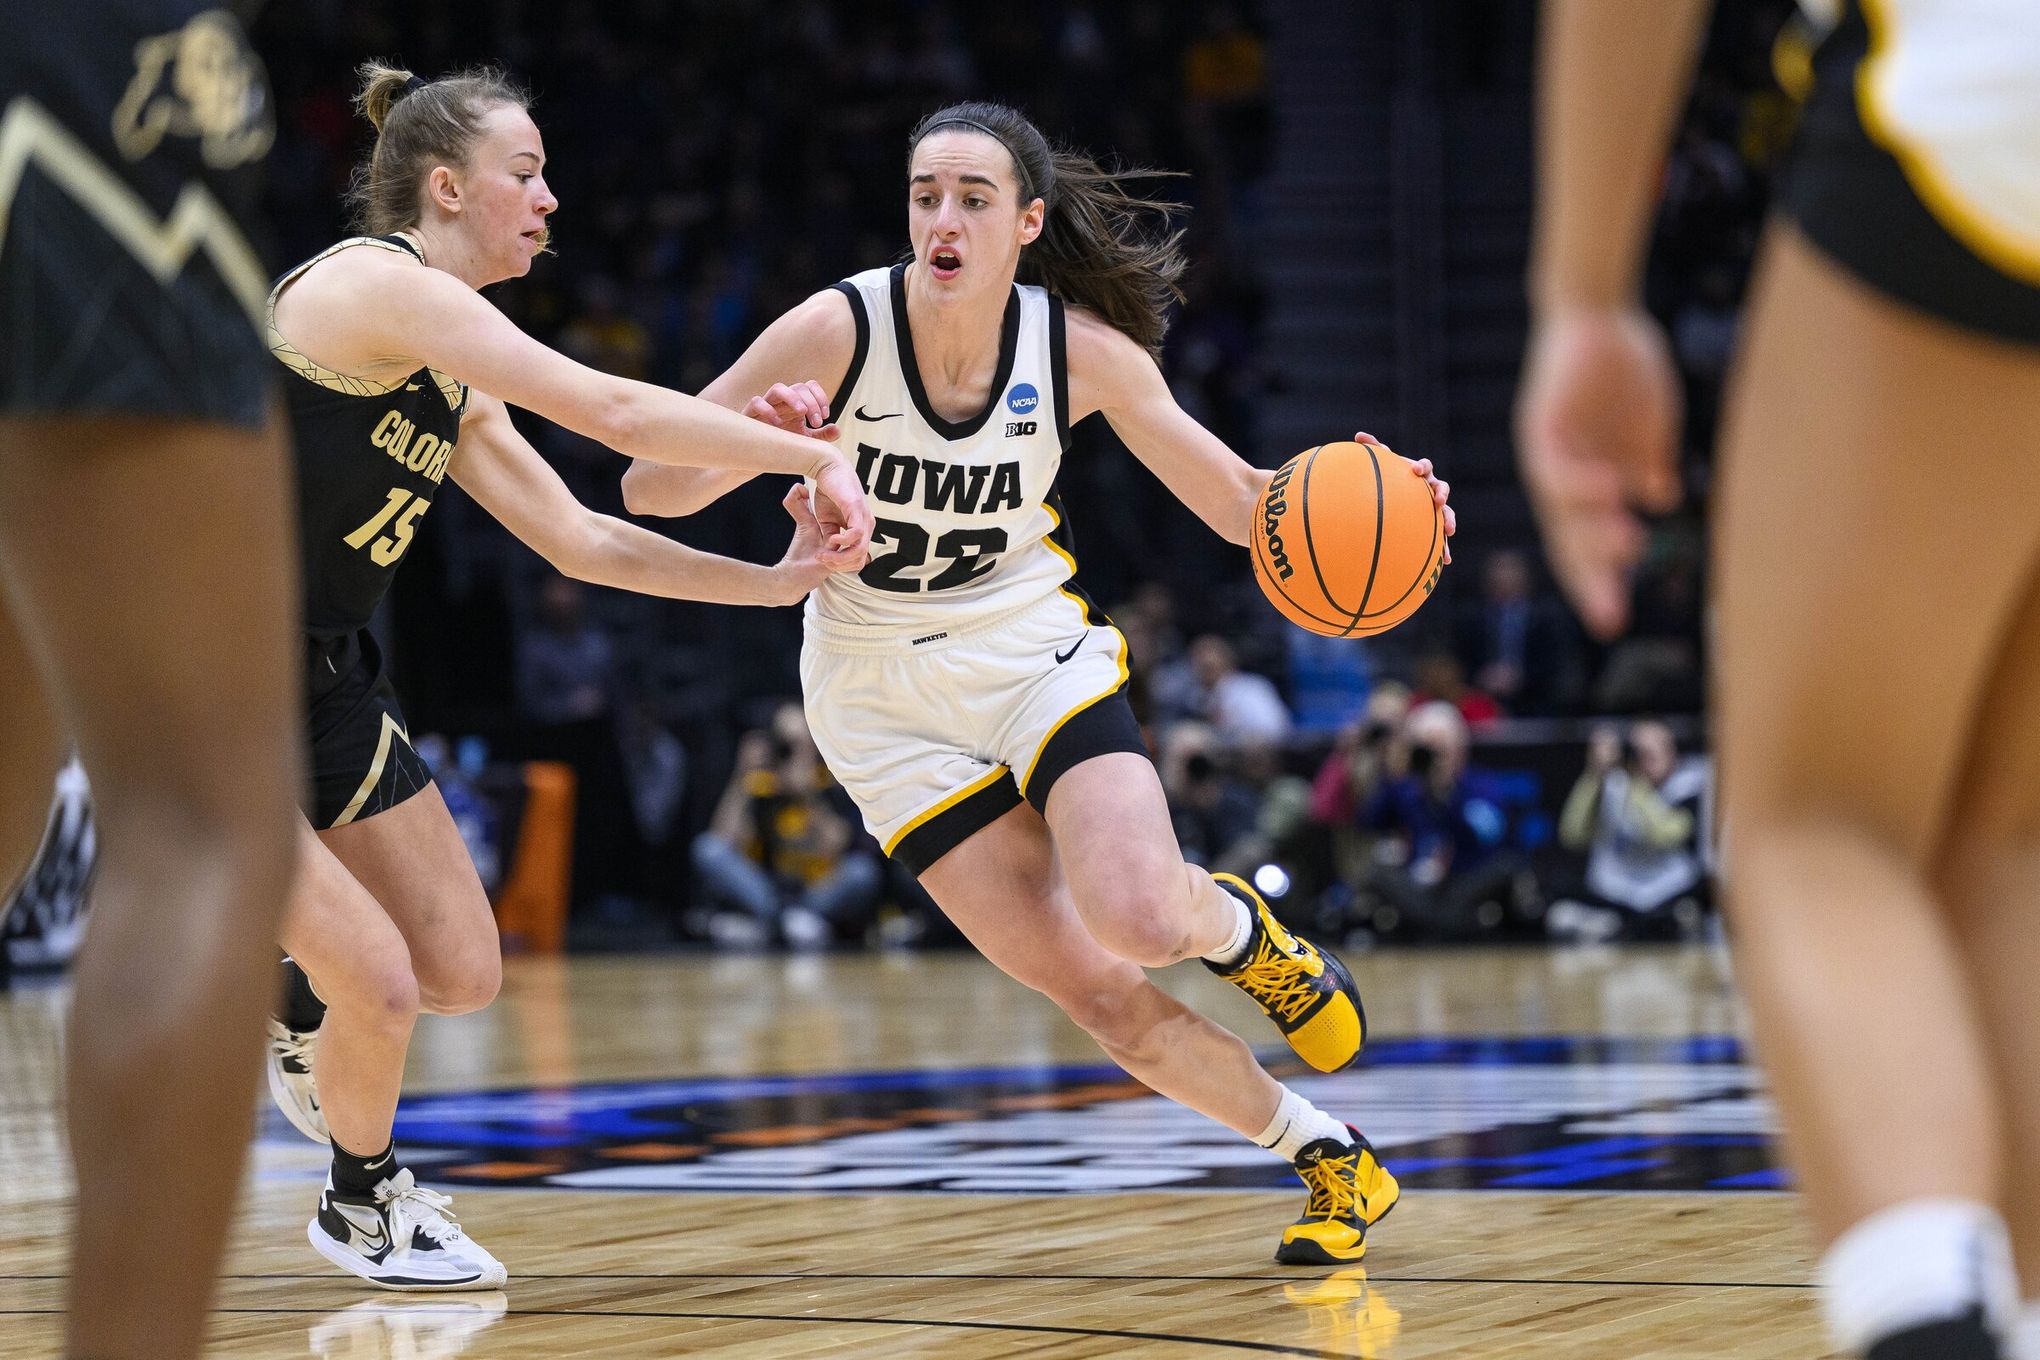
x=1876, y=612
x=146, y=593
x=381, y=337
x=968, y=697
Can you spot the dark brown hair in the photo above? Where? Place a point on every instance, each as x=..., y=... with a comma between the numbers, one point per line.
x=1100, y=246
x=418, y=124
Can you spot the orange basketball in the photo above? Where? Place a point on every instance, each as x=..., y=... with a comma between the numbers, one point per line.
x=1347, y=541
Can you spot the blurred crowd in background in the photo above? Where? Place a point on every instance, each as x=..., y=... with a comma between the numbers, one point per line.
x=717, y=162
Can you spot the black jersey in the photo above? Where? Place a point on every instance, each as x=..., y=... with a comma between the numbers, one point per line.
x=131, y=136
x=370, y=458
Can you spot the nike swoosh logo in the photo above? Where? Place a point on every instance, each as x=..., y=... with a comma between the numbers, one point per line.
x=366, y=1225
x=863, y=414
x=1061, y=657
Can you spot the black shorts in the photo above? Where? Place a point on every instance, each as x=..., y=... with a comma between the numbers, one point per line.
x=1851, y=197
x=362, y=761
x=127, y=280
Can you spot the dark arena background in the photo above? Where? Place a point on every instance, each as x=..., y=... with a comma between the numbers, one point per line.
x=743, y=1097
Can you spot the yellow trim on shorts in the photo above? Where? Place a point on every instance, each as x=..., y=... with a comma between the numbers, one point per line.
x=990, y=778
x=1110, y=690
x=2003, y=249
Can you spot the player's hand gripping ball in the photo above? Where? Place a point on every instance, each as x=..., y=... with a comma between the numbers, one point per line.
x=1347, y=540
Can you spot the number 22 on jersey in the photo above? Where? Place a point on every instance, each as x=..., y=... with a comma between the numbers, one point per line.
x=403, y=507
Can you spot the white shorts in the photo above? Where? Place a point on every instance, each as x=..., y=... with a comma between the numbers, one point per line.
x=936, y=733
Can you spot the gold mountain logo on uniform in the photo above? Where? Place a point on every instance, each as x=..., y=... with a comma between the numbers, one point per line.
x=200, y=82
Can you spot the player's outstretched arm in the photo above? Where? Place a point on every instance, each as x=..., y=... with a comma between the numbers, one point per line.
x=427, y=317
x=1112, y=374
x=1598, y=416
x=510, y=479
x=784, y=379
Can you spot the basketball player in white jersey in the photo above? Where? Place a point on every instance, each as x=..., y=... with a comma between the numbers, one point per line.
x=1878, y=501
x=968, y=695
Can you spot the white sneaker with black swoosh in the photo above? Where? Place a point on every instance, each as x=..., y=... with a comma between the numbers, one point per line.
x=401, y=1237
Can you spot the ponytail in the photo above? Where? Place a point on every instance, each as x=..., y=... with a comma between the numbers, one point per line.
x=418, y=124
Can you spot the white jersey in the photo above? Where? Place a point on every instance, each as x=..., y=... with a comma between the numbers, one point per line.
x=1952, y=89
x=967, y=520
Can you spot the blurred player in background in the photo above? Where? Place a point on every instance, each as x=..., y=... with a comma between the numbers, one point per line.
x=1877, y=696
x=147, y=593
x=968, y=696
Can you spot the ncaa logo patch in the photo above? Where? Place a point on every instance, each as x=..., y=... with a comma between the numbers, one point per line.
x=1023, y=398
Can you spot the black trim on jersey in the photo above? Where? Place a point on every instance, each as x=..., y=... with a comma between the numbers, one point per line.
x=1059, y=370
x=1103, y=728
x=1064, y=537
x=850, y=290
x=397, y=238
x=951, y=827
x=910, y=368
x=1094, y=617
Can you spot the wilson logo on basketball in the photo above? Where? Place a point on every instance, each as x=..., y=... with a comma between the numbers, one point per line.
x=1348, y=540
x=1273, y=507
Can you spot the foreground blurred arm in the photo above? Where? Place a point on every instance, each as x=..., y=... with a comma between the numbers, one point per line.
x=1597, y=419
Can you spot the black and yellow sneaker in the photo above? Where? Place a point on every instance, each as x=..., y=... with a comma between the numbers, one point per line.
x=1350, y=1191
x=1306, y=991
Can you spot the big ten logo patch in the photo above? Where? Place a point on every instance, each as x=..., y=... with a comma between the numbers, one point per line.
x=1017, y=428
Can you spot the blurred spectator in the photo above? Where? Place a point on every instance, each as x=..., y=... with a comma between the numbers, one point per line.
x=457, y=770
x=564, y=662
x=1212, y=810
x=1639, y=814
x=1357, y=765
x=1445, y=864
x=1159, y=677
x=602, y=336
x=1657, y=665
x=1241, y=707
x=1441, y=679
x=656, y=764
x=566, y=682
x=1515, y=644
x=781, y=857
x=1328, y=680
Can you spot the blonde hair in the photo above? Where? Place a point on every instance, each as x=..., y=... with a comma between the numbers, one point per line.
x=419, y=124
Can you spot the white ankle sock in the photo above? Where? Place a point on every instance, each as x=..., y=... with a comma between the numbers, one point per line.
x=2026, y=1332
x=1922, y=1261
x=1228, y=954
x=1297, y=1122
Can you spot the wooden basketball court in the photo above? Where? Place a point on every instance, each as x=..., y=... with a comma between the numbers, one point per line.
x=911, y=1155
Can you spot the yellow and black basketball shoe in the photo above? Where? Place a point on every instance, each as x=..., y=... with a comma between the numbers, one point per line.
x=1306, y=991
x=1350, y=1191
